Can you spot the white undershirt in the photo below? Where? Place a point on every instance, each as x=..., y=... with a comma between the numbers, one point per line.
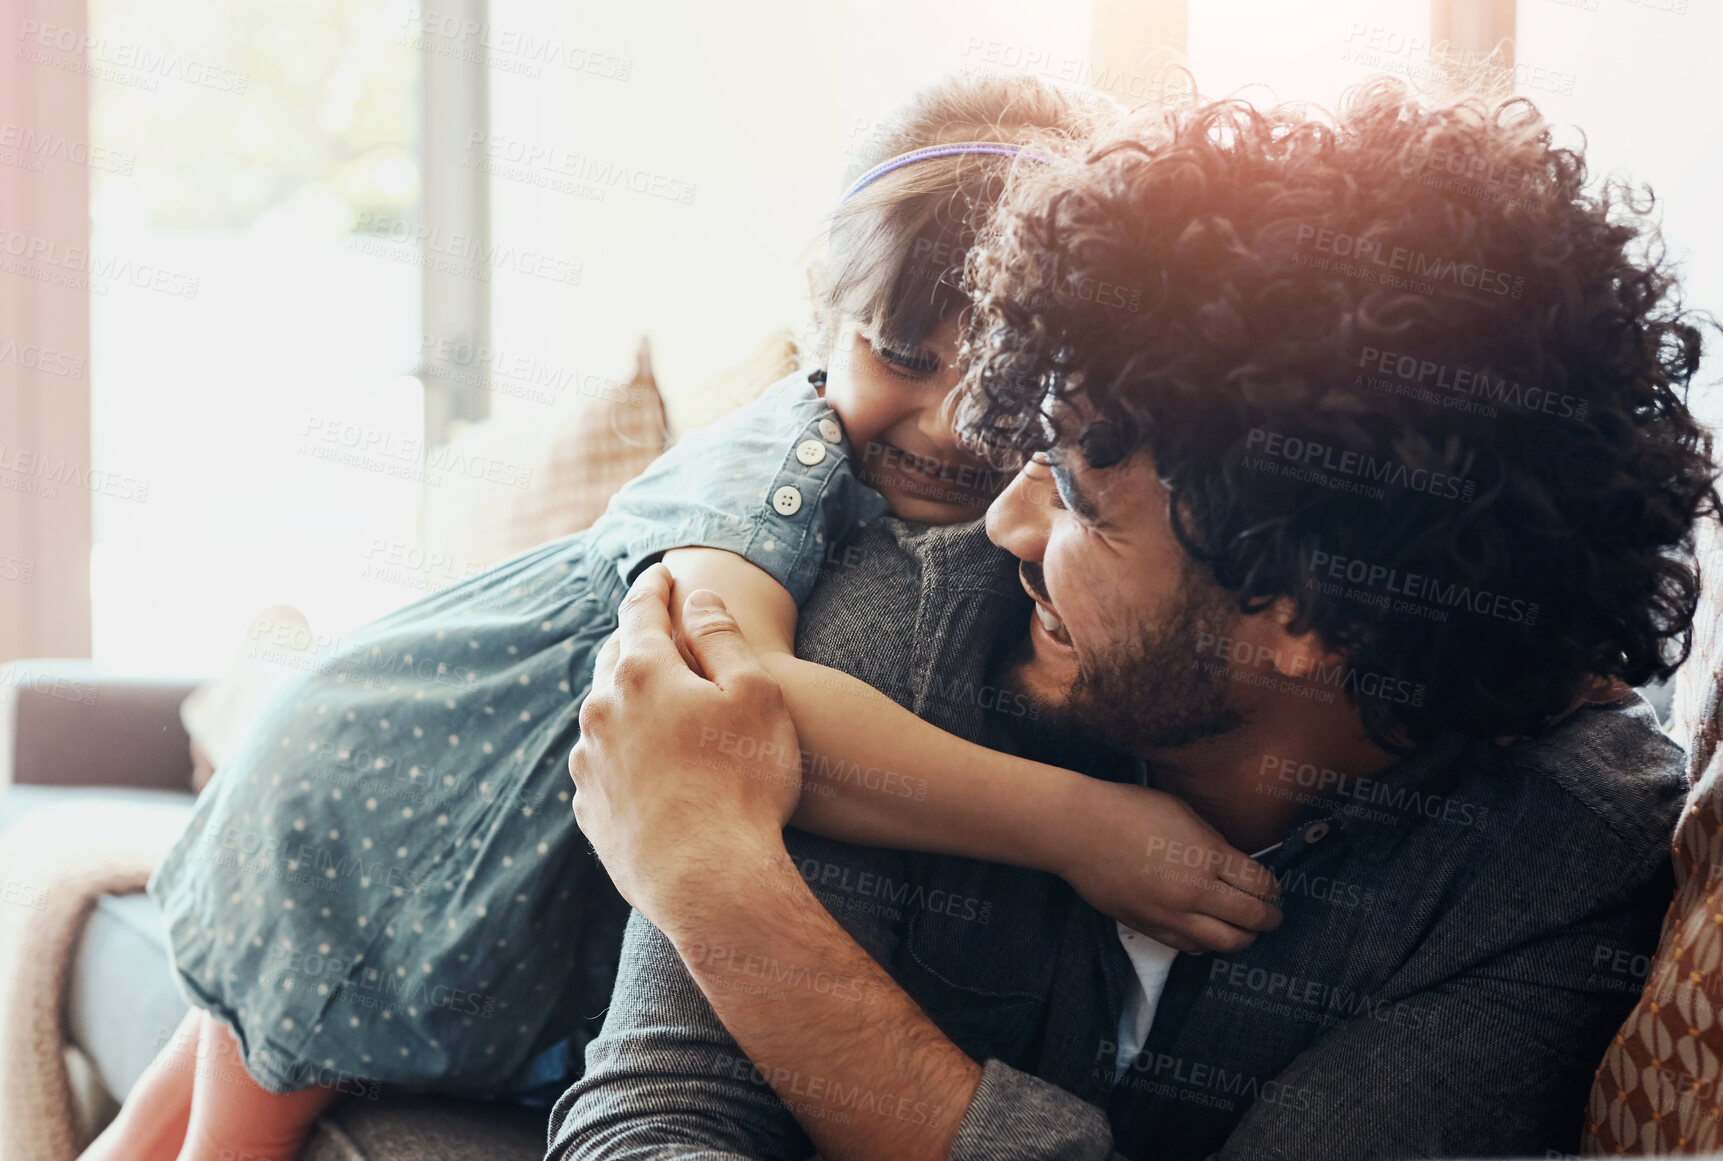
x=1152, y=960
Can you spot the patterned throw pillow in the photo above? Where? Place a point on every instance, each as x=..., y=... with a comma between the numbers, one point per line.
x=499, y=488
x=1660, y=1087
x=546, y=475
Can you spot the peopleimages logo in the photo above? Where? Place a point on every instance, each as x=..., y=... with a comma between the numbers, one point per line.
x=1414, y=371
x=350, y=444
x=819, y=770
x=784, y=976
x=23, y=894
x=837, y=877
x=550, y=165
x=826, y=1098
x=1199, y=1082
x=19, y=462
x=1301, y=671
x=1313, y=456
x=1334, y=1002
x=26, y=142
x=453, y=253
x=1454, y=162
x=1394, y=582
x=1413, y=263
x=138, y=65
x=48, y=260
x=42, y=360
x=452, y=34
x=1401, y=800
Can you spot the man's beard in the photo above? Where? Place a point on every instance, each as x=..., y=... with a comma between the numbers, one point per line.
x=1147, y=690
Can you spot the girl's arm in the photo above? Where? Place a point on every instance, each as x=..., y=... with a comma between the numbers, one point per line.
x=874, y=773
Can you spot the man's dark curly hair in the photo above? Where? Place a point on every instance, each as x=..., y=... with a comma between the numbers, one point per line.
x=1409, y=339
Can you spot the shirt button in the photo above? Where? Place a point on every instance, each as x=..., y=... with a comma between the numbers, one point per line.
x=787, y=501
x=830, y=430
x=810, y=452
x=1316, y=832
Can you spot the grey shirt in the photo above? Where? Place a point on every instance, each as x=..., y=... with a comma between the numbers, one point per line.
x=1446, y=979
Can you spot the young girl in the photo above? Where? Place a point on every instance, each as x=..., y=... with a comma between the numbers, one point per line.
x=385, y=884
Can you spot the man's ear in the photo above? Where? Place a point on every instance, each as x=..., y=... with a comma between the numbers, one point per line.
x=1298, y=654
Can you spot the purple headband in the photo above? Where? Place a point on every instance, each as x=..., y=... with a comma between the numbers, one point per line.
x=998, y=148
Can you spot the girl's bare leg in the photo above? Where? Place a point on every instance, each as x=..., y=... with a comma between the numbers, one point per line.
x=150, y=1125
x=233, y=1116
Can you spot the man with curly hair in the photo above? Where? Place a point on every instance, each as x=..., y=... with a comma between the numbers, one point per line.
x=1357, y=489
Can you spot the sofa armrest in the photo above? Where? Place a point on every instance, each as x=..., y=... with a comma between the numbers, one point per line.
x=62, y=723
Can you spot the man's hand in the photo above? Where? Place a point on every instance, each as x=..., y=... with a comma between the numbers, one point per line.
x=681, y=774
x=684, y=783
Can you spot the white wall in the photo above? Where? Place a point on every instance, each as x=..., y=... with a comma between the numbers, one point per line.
x=1647, y=93
x=758, y=108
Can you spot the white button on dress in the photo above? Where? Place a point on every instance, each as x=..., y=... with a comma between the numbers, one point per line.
x=810, y=452
x=830, y=430
x=787, y=500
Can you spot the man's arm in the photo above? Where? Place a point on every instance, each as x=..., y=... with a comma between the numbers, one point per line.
x=929, y=790
x=863, y=1068
x=663, y=1080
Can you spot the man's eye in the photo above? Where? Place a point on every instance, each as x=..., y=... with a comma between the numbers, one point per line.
x=1065, y=495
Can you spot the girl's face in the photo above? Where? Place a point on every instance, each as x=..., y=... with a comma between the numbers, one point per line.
x=890, y=402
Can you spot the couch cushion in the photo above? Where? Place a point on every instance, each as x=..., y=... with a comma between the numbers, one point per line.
x=123, y=1002
x=427, y=1129
x=17, y=801
x=568, y=460
x=546, y=475
x=277, y=645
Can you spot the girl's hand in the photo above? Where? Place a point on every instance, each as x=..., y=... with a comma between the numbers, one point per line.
x=1147, y=859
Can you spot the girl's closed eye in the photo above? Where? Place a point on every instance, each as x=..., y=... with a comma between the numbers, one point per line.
x=917, y=364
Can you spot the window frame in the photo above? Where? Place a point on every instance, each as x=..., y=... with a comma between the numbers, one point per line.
x=45, y=418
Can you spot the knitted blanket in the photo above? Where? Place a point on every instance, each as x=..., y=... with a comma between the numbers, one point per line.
x=54, y=865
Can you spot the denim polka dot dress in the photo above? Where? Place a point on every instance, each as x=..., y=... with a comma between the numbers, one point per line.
x=385, y=882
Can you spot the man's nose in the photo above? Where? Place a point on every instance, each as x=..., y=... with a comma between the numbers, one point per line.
x=1017, y=520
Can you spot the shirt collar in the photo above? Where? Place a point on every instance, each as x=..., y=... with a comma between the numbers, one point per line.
x=1373, y=815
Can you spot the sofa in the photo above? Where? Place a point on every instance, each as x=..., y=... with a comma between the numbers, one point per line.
x=97, y=775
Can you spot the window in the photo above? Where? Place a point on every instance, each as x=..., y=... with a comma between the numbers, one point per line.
x=250, y=351
x=1294, y=52
x=1646, y=123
